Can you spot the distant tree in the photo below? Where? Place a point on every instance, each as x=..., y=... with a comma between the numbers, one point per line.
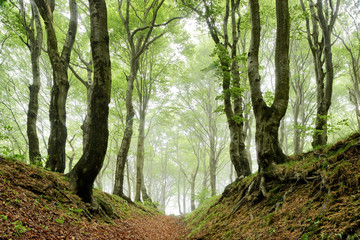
x=139, y=37
x=199, y=99
x=268, y=118
x=59, y=62
x=304, y=93
x=351, y=41
x=84, y=173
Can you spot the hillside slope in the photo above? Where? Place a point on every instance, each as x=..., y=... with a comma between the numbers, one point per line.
x=37, y=204
x=315, y=196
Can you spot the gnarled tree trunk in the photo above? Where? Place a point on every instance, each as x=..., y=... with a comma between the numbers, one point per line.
x=59, y=63
x=268, y=118
x=84, y=173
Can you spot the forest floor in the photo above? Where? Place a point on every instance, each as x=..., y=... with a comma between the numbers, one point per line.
x=315, y=195
x=37, y=204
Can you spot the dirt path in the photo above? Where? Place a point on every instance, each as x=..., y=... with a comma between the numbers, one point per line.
x=36, y=204
x=144, y=228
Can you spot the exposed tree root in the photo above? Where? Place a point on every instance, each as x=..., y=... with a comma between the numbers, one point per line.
x=256, y=190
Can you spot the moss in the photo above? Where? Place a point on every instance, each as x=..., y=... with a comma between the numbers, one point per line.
x=268, y=220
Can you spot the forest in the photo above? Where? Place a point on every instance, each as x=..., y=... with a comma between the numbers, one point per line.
x=167, y=102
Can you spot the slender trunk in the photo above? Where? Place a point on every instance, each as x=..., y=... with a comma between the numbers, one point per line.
x=164, y=179
x=184, y=195
x=296, y=111
x=126, y=141
x=59, y=63
x=179, y=194
x=212, y=169
x=227, y=54
x=192, y=192
x=303, y=123
x=34, y=150
x=128, y=179
x=35, y=50
x=248, y=132
x=140, y=156
x=321, y=51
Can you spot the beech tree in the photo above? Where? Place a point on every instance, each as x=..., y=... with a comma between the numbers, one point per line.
x=84, y=173
x=59, y=62
x=268, y=117
x=138, y=40
x=227, y=51
x=34, y=41
x=351, y=40
x=302, y=88
x=322, y=17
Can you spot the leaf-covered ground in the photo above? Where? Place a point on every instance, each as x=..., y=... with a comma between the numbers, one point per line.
x=37, y=204
x=315, y=196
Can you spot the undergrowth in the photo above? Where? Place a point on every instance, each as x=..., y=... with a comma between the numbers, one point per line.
x=316, y=196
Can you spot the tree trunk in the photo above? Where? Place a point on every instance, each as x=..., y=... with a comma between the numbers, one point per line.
x=126, y=141
x=84, y=173
x=184, y=195
x=321, y=51
x=238, y=153
x=140, y=156
x=296, y=112
x=89, y=88
x=212, y=169
x=192, y=192
x=58, y=131
x=35, y=50
x=268, y=118
x=145, y=195
x=248, y=132
x=227, y=54
x=128, y=179
x=137, y=48
x=59, y=63
x=178, y=193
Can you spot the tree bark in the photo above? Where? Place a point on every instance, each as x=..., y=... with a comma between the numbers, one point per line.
x=268, y=118
x=126, y=141
x=320, y=135
x=178, y=193
x=137, y=47
x=84, y=173
x=321, y=51
x=136, y=51
x=59, y=63
x=36, y=37
x=233, y=102
x=140, y=156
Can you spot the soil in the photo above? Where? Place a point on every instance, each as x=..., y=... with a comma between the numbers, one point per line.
x=315, y=196
x=37, y=204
